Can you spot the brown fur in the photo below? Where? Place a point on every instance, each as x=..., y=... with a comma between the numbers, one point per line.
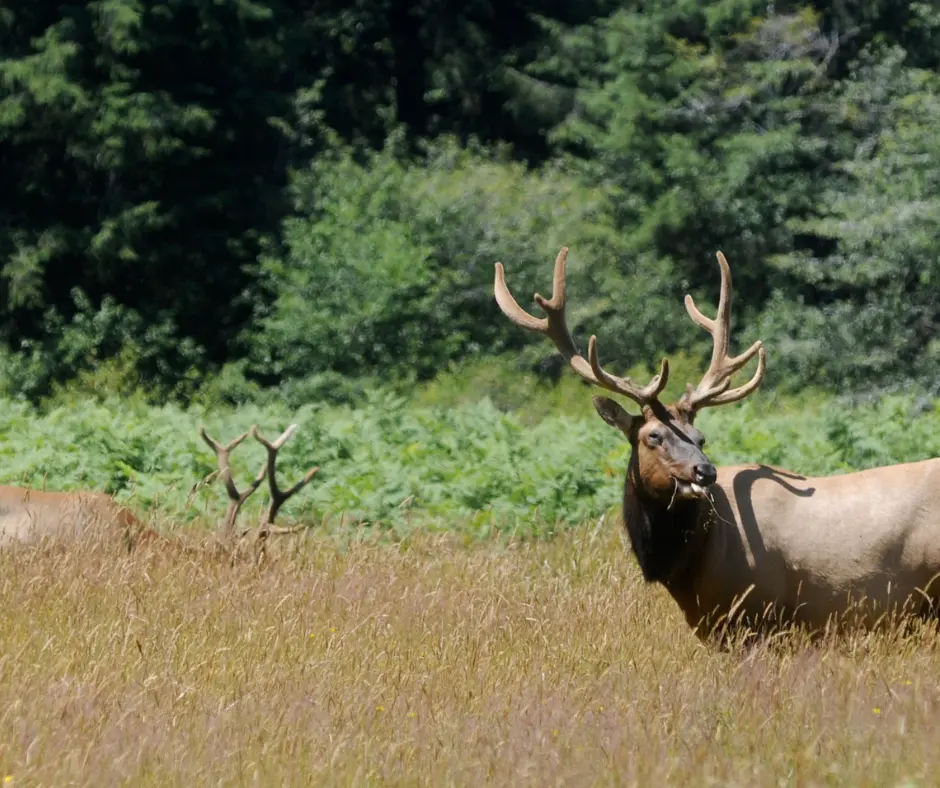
x=28, y=516
x=774, y=547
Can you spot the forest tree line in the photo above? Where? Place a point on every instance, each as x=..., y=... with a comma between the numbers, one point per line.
x=295, y=196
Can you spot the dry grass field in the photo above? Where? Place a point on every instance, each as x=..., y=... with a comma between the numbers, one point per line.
x=430, y=662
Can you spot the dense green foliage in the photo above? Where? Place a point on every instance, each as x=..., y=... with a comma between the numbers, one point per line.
x=401, y=254
x=533, y=458
x=138, y=182
x=309, y=197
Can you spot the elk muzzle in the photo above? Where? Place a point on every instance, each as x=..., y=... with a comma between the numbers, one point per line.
x=691, y=471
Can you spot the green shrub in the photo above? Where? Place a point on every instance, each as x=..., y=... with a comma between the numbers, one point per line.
x=389, y=268
x=538, y=460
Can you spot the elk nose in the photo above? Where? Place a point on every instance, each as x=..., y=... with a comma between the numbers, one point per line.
x=705, y=474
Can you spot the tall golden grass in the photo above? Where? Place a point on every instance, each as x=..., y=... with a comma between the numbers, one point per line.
x=430, y=662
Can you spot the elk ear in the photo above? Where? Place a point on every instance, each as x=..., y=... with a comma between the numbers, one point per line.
x=614, y=414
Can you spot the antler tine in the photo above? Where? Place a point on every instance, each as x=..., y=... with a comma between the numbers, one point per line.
x=222, y=456
x=554, y=326
x=713, y=388
x=278, y=496
x=236, y=498
x=741, y=392
x=626, y=386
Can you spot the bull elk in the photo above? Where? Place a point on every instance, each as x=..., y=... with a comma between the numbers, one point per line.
x=753, y=545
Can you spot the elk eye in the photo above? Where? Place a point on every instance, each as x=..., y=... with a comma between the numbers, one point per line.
x=654, y=439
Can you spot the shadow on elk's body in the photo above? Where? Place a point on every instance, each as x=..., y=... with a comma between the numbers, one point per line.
x=750, y=544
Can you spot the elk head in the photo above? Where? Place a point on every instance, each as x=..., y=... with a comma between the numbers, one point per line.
x=668, y=462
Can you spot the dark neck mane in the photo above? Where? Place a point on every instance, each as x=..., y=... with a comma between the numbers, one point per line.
x=664, y=538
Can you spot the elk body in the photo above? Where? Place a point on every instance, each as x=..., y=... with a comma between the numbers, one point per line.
x=751, y=544
x=28, y=515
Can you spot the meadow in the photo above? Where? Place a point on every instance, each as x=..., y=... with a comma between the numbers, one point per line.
x=464, y=608
x=430, y=662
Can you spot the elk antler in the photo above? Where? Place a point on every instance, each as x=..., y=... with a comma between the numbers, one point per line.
x=278, y=496
x=555, y=328
x=236, y=498
x=713, y=388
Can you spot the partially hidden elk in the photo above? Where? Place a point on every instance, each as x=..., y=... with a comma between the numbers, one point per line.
x=28, y=516
x=753, y=547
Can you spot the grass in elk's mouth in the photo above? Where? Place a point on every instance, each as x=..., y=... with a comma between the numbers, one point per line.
x=430, y=663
